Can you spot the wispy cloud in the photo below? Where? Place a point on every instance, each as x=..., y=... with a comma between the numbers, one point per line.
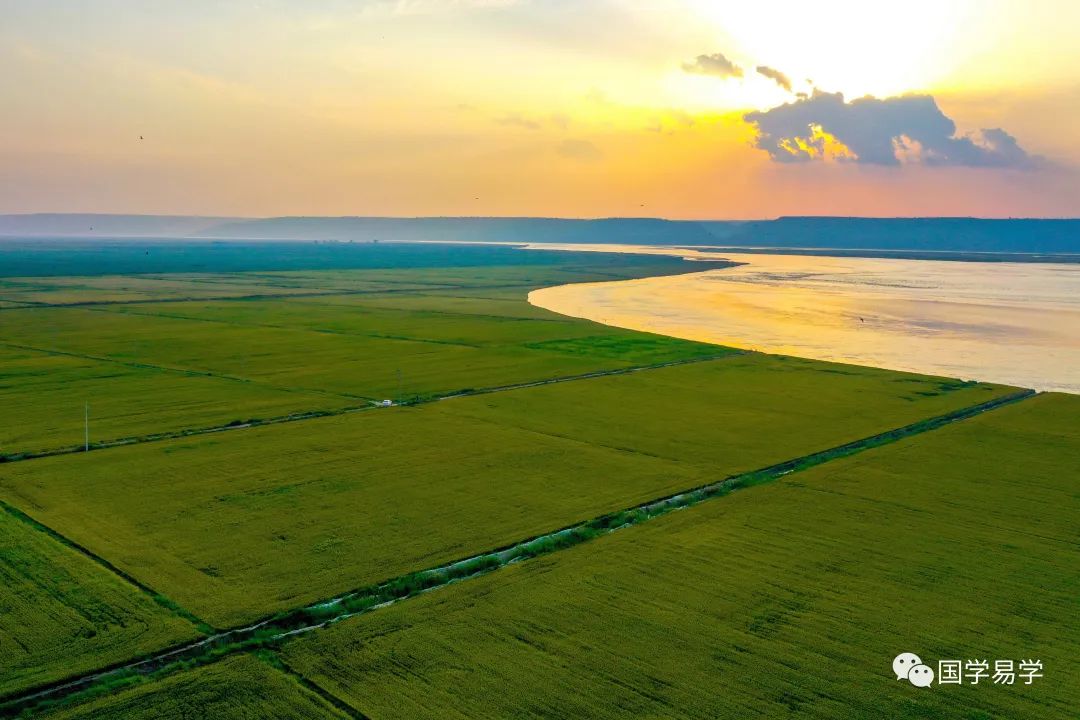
x=716, y=65
x=775, y=75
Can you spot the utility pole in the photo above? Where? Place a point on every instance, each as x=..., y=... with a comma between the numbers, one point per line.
x=86, y=427
x=400, y=390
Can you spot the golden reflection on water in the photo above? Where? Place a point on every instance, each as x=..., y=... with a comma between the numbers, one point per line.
x=1014, y=323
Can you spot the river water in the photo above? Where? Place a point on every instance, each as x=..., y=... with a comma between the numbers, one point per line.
x=1013, y=323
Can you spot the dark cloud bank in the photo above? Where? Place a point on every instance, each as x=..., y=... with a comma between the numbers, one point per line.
x=882, y=132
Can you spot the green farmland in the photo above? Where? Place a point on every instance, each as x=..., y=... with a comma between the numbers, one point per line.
x=45, y=397
x=956, y=544
x=394, y=490
x=237, y=687
x=241, y=471
x=62, y=614
x=186, y=364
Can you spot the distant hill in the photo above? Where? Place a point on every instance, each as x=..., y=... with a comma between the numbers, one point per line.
x=837, y=233
x=918, y=234
x=480, y=229
x=106, y=226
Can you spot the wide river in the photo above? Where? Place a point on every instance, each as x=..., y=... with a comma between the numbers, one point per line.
x=1013, y=323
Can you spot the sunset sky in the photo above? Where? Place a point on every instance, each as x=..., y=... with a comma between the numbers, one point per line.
x=575, y=108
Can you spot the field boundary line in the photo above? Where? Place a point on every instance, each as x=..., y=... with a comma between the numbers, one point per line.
x=590, y=375
x=158, y=598
x=306, y=682
x=177, y=434
x=315, y=414
x=278, y=628
x=178, y=370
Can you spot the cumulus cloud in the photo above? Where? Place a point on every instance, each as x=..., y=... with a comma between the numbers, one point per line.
x=879, y=131
x=716, y=65
x=775, y=75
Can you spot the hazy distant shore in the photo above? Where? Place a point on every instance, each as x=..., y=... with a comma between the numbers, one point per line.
x=1021, y=236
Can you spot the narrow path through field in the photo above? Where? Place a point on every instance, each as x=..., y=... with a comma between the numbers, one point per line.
x=278, y=628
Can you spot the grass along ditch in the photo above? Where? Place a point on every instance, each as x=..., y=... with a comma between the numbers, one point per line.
x=279, y=627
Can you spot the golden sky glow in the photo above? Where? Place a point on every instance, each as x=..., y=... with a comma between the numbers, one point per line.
x=496, y=107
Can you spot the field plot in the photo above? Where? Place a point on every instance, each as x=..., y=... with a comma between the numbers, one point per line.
x=271, y=518
x=435, y=323
x=730, y=416
x=787, y=599
x=510, y=306
x=43, y=400
x=187, y=363
x=235, y=688
x=255, y=521
x=494, y=268
x=345, y=351
x=134, y=288
x=62, y=614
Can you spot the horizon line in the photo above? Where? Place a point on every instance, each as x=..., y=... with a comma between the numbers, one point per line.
x=590, y=218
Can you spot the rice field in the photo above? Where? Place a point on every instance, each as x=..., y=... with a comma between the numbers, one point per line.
x=348, y=352
x=779, y=600
x=235, y=688
x=731, y=416
x=108, y=289
x=255, y=521
x=786, y=599
x=45, y=399
x=62, y=614
x=186, y=364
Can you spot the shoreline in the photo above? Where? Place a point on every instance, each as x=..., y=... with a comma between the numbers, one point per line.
x=921, y=316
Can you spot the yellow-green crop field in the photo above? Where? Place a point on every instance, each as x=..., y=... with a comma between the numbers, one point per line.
x=728, y=416
x=235, y=688
x=188, y=364
x=786, y=600
x=62, y=614
x=255, y=521
x=783, y=599
x=45, y=397
x=115, y=289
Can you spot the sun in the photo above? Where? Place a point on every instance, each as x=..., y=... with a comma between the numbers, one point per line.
x=851, y=46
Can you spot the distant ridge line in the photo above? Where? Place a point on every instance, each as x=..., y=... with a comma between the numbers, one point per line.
x=928, y=234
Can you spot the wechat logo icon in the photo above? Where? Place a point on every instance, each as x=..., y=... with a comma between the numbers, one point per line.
x=910, y=666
